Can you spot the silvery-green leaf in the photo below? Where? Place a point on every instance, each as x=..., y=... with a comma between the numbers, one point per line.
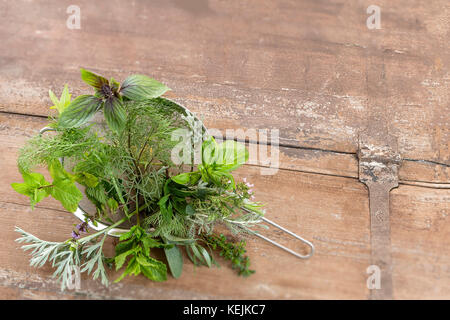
x=175, y=260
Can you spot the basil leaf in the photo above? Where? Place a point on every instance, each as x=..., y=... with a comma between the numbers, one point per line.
x=175, y=261
x=182, y=178
x=80, y=110
x=231, y=155
x=139, y=87
x=92, y=79
x=209, y=151
x=115, y=114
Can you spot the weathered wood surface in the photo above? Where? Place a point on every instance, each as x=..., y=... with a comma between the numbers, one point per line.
x=311, y=69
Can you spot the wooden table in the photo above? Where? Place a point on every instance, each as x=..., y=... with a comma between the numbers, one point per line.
x=313, y=70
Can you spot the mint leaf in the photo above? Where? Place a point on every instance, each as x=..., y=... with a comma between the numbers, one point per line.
x=153, y=269
x=34, y=179
x=132, y=267
x=23, y=188
x=64, y=100
x=54, y=99
x=38, y=195
x=139, y=87
x=35, y=187
x=121, y=258
x=65, y=191
x=86, y=179
x=57, y=171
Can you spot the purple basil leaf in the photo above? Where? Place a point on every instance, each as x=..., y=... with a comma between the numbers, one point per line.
x=139, y=87
x=92, y=79
x=79, y=111
x=115, y=114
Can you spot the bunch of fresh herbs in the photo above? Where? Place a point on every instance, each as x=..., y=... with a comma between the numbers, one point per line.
x=124, y=168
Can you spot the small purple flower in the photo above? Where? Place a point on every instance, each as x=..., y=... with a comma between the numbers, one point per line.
x=82, y=227
x=75, y=235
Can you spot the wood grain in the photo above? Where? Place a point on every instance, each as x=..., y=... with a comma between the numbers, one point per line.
x=309, y=68
x=331, y=211
x=301, y=66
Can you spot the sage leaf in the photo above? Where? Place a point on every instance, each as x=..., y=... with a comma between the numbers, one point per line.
x=175, y=260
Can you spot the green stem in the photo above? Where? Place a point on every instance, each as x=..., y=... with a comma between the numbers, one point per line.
x=137, y=209
x=47, y=186
x=118, y=223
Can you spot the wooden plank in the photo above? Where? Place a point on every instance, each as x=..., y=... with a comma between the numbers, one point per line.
x=16, y=129
x=420, y=230
x=297, y=66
